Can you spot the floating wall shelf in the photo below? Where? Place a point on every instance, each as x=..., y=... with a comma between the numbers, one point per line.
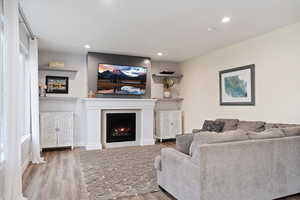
x=167, y=76
x=169, y=99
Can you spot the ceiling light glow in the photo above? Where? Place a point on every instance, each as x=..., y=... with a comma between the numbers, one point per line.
x=225, y=20
x=160, y=54
x=87, y=46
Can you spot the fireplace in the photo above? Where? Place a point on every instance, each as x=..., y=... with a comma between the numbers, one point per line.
x=120, y=127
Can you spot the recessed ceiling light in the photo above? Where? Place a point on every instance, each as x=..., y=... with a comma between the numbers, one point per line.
x=87, y=46
x=210, y=29
x=225, y=20
x=160, y=54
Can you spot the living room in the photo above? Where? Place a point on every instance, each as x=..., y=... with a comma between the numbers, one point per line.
x=144, y=100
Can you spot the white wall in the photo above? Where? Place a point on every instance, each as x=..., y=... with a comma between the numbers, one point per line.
x=78, y=86
x=276, y=56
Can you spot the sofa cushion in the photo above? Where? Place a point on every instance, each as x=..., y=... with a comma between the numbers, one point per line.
x=267, y=134
x=291, y=131
x=285, y=125
x=216, y=126
x=214, y=137
x=270, y=125
x=230, y=124
x=183, y=142
x=277, y=125
x=256, y=126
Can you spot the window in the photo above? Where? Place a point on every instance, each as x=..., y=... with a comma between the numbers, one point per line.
x=25, y=78
x=24, y=68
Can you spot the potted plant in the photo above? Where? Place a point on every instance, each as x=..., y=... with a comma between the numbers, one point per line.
x=168, y=84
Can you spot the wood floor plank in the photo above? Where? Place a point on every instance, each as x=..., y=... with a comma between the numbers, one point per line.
x=60, y=179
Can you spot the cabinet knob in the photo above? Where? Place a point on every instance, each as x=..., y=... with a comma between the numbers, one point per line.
x=57, y=129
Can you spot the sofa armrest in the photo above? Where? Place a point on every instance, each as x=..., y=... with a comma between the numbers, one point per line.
x=183, y=142
x=197, y=130
x=179, y=175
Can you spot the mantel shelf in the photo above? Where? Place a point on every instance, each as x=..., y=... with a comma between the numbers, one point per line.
x=167, y=76
x=69, y=72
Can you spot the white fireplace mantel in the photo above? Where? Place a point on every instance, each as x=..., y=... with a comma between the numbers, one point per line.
x=94, y=108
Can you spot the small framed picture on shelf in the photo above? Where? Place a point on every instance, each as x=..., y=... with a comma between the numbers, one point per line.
x=57, y=84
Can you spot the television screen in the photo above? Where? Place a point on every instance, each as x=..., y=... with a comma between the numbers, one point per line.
x=119, y=79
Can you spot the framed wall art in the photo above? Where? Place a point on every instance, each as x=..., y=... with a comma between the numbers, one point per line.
x=57, y=84
x=237, y=86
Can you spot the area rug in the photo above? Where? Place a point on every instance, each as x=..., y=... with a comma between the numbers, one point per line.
x=119, y=172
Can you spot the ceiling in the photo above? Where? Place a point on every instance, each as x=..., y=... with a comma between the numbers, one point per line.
x=177, y=28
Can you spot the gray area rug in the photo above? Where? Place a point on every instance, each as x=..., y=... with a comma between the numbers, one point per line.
x=119, y=172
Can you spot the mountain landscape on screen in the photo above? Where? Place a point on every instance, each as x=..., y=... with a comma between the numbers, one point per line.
x=117, y=79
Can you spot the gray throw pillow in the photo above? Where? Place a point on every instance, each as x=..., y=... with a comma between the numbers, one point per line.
x=214, y=137
x=267, y=134
x=291, y=131
x=215, y=126
x=256, y=126
x=230, y=124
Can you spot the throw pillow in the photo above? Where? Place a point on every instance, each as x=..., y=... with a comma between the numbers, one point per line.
x=256, y=126
x=215, y=126
x=267, y=134
x=291, y=131
x=230, y=124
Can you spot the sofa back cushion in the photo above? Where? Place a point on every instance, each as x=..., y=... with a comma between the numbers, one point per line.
x=270, y=125
x=229, y=124
x=277, y=125
x=256, y=126
x=291, y=131
x=214, y=137
x=267, y=134
x=215, y=126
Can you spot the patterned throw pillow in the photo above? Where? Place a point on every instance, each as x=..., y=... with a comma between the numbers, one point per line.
x=215, y=126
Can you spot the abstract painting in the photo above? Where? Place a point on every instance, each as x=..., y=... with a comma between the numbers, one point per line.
x=237, y=86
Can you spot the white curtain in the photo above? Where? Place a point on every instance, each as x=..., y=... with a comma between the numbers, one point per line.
x=13, y=104
x=33, y=54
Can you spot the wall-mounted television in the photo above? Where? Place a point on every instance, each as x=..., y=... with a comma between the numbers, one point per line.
x=120, y=79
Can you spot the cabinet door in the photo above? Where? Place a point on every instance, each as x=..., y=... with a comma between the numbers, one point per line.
x=64, y=129
x=48, y=132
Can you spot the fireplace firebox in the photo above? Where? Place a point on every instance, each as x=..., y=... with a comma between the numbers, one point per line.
x=120, y=127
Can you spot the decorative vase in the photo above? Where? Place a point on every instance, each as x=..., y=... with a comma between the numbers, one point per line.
x=167, y=93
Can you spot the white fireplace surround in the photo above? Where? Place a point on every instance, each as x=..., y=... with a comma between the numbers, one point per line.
x=95, y=110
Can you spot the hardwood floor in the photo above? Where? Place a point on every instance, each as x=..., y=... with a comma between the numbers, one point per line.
x=59, y=179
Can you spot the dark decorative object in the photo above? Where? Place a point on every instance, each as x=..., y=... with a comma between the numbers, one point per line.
x=237, y=86
x=215, y=126
x=57, y=84
x=167, y=72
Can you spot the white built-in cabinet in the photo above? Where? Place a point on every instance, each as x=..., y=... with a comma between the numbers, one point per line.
x=57, y=129
x=168, y=124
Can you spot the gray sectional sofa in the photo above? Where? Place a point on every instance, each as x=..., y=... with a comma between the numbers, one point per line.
x=247, y=161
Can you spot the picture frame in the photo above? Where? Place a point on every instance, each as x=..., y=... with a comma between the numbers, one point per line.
x=57, y=85
x=237, y=86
